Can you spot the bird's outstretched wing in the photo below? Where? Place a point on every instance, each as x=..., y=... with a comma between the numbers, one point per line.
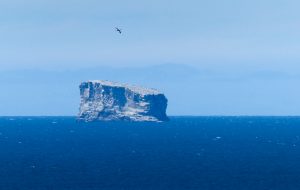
x=118, y=30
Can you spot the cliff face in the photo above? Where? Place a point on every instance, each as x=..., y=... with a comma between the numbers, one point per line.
x=104, y=100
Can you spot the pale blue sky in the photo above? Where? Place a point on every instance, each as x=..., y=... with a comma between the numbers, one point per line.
x=245, y=53
x=65, y=33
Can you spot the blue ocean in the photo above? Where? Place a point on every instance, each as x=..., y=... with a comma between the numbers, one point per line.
x=207, y=153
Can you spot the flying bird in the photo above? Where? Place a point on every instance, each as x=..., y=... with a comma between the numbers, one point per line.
x=118, y=30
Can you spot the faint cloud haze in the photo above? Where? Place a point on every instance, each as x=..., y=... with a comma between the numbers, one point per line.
x=190, y=90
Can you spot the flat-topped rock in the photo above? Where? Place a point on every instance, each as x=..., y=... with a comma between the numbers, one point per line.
x=110, y=101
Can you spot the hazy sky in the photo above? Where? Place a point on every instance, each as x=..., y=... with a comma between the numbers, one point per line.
x=212, y=57
x=74, y=33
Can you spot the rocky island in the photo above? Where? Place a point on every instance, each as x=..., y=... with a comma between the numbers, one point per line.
x=110, y=101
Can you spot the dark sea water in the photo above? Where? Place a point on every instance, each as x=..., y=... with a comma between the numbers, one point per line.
x=186, y=153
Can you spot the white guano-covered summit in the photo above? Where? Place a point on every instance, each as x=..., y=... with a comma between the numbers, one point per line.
x=111, y=101
x=137, y=89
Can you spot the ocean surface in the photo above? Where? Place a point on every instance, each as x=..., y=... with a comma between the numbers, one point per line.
x=205, y=153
